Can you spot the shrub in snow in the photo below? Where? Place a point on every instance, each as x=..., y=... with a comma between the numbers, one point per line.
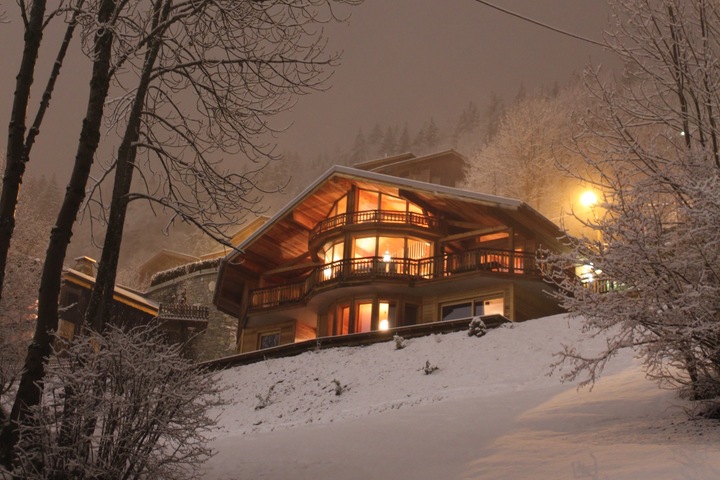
x=339, y=387
x=477, y=327
x=428, y=368
x=119, y=405
x=264, y=400
x=399, y=342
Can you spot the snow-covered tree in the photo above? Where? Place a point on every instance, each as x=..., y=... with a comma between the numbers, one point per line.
x=650, y=274
x=119, y=405
x=523, y=159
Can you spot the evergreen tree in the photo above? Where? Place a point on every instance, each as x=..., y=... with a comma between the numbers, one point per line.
x=468, y=123
x=389, y=143
x=374, y=141
x=432, y=135
x=403, y=145
x=359, y=151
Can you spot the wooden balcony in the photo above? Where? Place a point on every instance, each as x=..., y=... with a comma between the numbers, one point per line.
x=349, y=271
x=375, y=217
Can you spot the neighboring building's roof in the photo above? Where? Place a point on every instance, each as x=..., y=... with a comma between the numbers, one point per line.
x=166, y=256
x=121, y=294
x=378, y=163
x=239, y=236
x=407, y=159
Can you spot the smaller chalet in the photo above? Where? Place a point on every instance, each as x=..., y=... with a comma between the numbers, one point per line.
x=359, y=251
x=179, y=321
x=129, y=308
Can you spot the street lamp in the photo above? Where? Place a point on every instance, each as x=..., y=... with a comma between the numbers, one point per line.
x=588, y=199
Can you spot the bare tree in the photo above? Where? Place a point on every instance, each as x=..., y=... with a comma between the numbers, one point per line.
x=651, y=275
x=98, y=27
x=215, y=50
x=139, y=410
x=254, y=75
x=20, y=138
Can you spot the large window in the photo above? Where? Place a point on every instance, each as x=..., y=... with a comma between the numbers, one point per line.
x=490, y=305
x=338, y=207
x=392, y=247
x=363, y=317
x=367, y=315
x=369, y=200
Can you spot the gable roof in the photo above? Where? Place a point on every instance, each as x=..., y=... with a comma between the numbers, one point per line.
x=121, y=294
x=286, y=233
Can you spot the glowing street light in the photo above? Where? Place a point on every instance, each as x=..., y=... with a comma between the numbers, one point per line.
x=588, y=199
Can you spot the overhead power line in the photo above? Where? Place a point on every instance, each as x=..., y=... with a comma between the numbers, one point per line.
x=540, y=24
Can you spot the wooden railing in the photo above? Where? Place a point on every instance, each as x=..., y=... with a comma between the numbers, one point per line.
x=180, y=311
x=347, y=270
x=374, y=216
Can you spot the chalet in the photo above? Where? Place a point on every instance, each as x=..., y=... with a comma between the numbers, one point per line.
x=129, y=307
x=360, y=250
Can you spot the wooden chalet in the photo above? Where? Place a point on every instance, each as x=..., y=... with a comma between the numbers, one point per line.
x=360, y=251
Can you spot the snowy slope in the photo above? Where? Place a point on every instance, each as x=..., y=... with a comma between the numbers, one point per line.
x=489, y=411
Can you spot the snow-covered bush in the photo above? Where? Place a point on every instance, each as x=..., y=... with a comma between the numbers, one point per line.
x=477, y=327
x=18, y=309
x=429, y=368
x=399, y=342
x=265, y=400
x=339, y=387
x=119, y=405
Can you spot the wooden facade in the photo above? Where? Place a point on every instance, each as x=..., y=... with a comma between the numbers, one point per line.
x=359, y=251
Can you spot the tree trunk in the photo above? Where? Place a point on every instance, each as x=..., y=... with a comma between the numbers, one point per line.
x=100, y=304
x=31, y=382
x=15, y=154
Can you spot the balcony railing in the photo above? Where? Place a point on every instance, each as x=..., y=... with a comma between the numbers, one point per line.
x=184, y=312
x=374, y=217
x=358, y=269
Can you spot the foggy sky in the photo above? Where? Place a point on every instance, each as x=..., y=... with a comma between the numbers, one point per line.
x=403, y=61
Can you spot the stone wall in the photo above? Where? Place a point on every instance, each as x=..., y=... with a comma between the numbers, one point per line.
x=197, y=288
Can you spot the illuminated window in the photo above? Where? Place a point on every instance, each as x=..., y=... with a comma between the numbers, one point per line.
x=330, y=253
x=363, y=319
x=418, y=248
x=364, y=247
x=393, y=204
x=387, y=315
x=494, y=306
x=394, y=246
x=367, y=201
x=342, y=321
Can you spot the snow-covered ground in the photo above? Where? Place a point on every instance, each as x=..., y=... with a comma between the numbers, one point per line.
x=490, y=411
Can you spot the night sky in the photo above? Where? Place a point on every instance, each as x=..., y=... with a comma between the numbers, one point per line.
x=403, y=61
